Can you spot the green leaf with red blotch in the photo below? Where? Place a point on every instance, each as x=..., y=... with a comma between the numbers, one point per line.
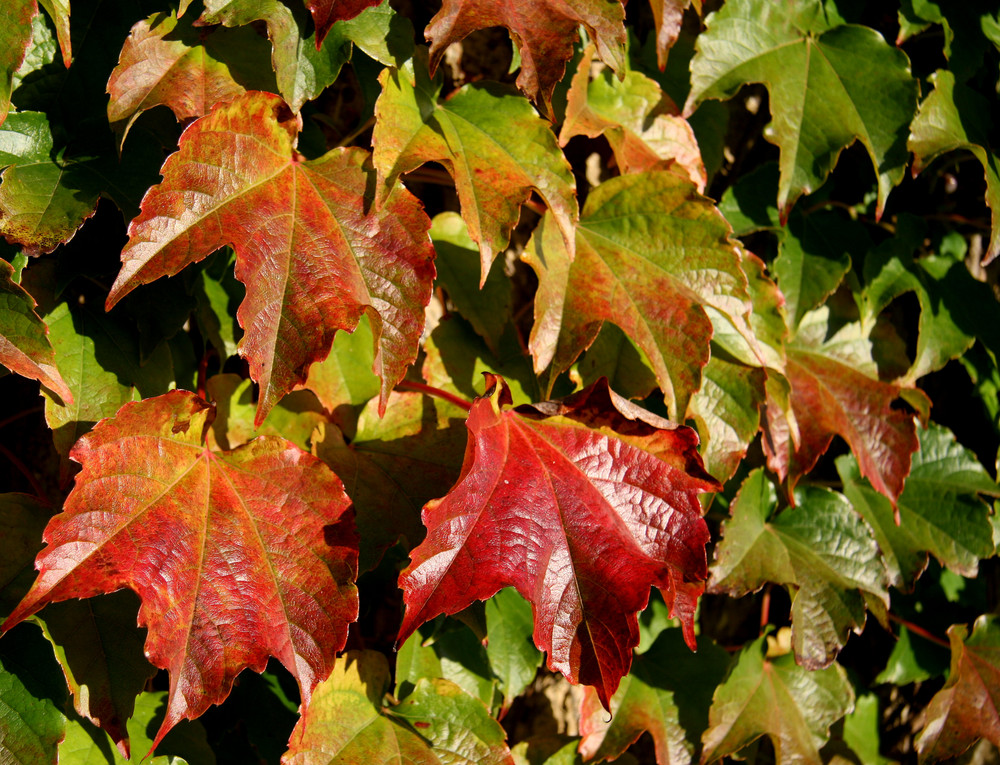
x=24, y=339
x=582, y=506
x=15, y=39
x=237, y=556
x=794, y=707
x=311, y=249
x=543, y=30
x=490, y=140
x=168, y=62
x=966, y=708
x=651, y=255
x=835, y=390
x=821, y=551
x=326, y=13
x=346, y=722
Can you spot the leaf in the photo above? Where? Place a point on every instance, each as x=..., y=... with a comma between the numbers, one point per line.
x=835, y=391
x=236, y=556
x=651, y=253
x=167, y=62
x=513, y=657
x=346, y=723
x=793, y=706
x=861, y=730
x=542, y=31
x=579, y=520
x=819, y=550
x=22, y=520
x=15, y=39
x=24, y=339
x=345, y=377
x=489, y=139
x=822, y=97
x=966, y=708
x=912, y=661
x=614, y=356
x=58, y=11
x=940, y=510
x=324, y=259
x=668, y=15
x=30, y=727
x=641, y=123
x=665, y=697
x=325, y=13
x=953, y=117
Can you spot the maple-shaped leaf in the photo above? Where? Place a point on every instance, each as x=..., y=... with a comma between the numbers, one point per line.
x=642, y=125
x=940, y=510
x=487, y=137
x=668, y=15
x=24, y=339
x=835, y=390
x=237, y=556
x=326, y=13
x=651, y=254
x=311, y=248
x=167, y=62
x=581, y=506
x=543, y=32
x=966, y=708
x=820, y=550
x=15, y=39
x=794, y=707
x=823, y=98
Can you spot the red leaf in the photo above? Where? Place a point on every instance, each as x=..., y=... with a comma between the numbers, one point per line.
x=325, y=13
x=310, y=247
x=668, y=16
x=582, y=506
x=544, y=31
x=237, y=556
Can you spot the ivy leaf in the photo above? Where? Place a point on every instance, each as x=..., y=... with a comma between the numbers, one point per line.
x=167, y=62
x=794, y=707
x=940, y=510
x=581, y=506
x=641, y=123
x=236, y=556
x=487, y=137
x=952, y=117
x=24, y=339
x=323, y=258
x=543, y=30
x=966, y=708
x=822, y=97
x=651, y=254
x=820, y=550
x=15, y=39
x=835, y=390
x=325, y=13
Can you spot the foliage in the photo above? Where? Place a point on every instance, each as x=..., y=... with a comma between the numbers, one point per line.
x=460, y=391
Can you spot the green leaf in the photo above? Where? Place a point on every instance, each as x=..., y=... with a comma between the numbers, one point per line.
x=823, y=97
x=495, y=146
x=940, y=511
x=30, y=728
x=793, y=706
x=614, y=356
x=58, y=11
x=345, y=377
x=821, y=551
x=512, y=654
x=15, y=40
x=217, y=295
x=912, y=660
x=22, y=520
x=861, y=730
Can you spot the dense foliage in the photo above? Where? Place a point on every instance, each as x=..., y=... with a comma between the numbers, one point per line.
x=528, y=382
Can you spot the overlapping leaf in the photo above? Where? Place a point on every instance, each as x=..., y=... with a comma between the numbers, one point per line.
x=581, y=506
x=543, y=31
x=30, y=728
x=311, y=250
x=22, y=520
x=488, y=138
x=821, y=550
x=326, y=13
x=15, y=39
x=513, y=657
x=651, y=254
x=237, y=556
x=822, y=97
x=668, y=14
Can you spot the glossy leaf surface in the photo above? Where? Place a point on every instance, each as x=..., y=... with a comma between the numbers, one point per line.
x=15, y=39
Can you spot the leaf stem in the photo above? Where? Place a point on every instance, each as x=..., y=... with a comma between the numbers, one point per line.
x=916, y=629
x=430, y=390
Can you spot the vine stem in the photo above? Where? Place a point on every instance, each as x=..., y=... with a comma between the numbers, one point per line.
x=916, y=629
x=430, y=390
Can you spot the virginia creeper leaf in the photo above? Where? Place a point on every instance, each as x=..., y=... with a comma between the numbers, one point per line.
x=642, y=125
x=513, y=657
x=835, y=390
x=614, y=356
x=940, y=510
x=166, y=61
x=489, y=139
x=237, y=556
x=41, y=52
x=15, y=39
x=913, y=660
x=325, y=13
x=861, y=730
x=312, y=252
x=953, y=116
x=345, y=377
x=30, y=727
x=820, y=550
x=822, y=97
x=58, y=11
x=667, y=15
x=966, y=708
x=581, y=506
x=794, y=707
x=22, y=520
x=651, y=253
x=24, y=338
x=543, y=31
